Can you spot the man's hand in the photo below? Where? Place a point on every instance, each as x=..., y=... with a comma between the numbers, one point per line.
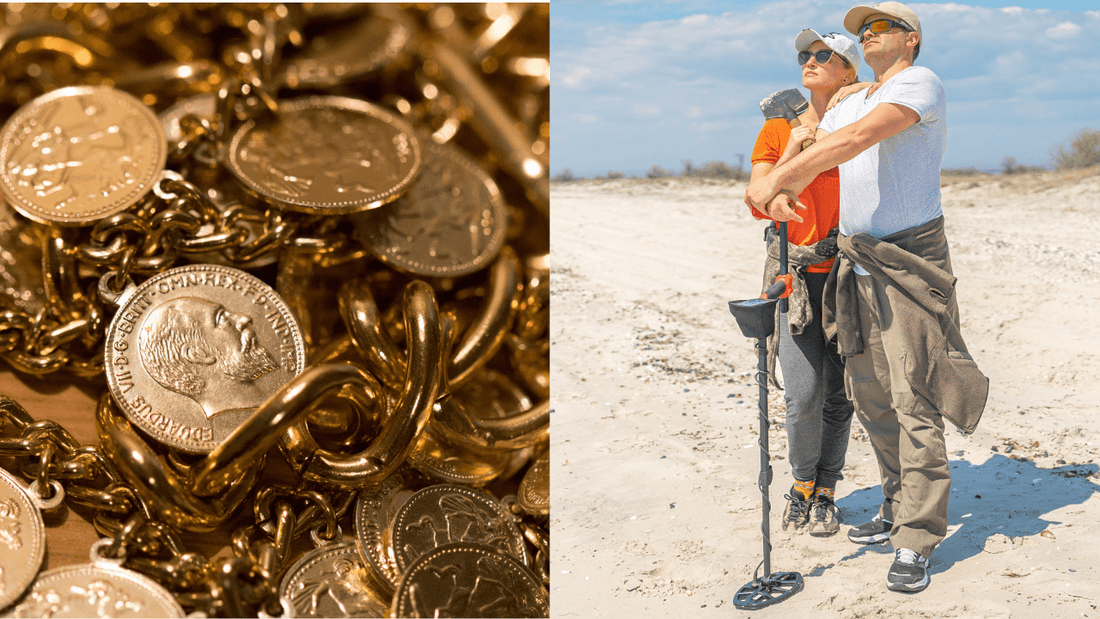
x=760, y=192
x=850, y=89
x=783, y=207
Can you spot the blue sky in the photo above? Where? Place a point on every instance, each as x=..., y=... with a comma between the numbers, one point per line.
x=636, y=84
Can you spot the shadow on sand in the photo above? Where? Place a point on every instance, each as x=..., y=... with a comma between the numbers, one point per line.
x=1000, y=496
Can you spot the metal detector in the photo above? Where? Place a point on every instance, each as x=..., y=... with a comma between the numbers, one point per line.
x=756, y=317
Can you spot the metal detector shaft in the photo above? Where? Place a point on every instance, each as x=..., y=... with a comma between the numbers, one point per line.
x=756, y=318
x=783, y=261
x=765, y=479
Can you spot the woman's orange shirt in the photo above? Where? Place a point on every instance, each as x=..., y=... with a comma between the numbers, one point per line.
x=821, y=197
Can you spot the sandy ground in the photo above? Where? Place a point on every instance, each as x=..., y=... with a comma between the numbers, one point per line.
x=656, y=507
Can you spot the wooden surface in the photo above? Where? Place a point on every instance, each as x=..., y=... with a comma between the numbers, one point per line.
x=68, y=534
x=71, y=403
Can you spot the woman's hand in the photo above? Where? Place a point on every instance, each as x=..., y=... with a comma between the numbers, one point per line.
x=850, y=89
x=799, y=135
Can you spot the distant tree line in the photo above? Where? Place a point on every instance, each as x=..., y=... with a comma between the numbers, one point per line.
x=1083, y=151
x=710, y=169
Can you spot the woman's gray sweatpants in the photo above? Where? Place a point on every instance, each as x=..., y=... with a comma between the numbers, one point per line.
x=819, y=414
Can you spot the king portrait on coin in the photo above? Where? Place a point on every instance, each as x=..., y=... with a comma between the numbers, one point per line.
x=192, y=351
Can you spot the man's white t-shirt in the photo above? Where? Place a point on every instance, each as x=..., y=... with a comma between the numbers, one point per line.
x=894, y=184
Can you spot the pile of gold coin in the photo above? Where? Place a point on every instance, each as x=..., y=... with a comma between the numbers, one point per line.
x=298, y=255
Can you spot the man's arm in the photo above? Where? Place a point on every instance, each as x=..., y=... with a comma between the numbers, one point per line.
x=831, y=150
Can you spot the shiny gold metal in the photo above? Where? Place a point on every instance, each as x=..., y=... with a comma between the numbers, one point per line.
x=347, y=53
x=285, y=409
x=534, y=490
x=389, y=449
x=524, y=429
x=91, y=128
x=493, y=124
x=379, y=351
x=167, y=496
x=484, y=338
x=443, y=582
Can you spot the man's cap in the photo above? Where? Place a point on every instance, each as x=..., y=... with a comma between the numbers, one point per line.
x=859, y=14
x=833, y=40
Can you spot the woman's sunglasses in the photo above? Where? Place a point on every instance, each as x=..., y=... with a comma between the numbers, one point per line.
x=881, y=25
x=821, y=57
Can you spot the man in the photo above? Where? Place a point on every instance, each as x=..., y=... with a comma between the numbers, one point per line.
x=890, y=298
x=199, y=349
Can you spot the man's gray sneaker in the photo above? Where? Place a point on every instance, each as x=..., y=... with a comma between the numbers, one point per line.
x=797, y=512
x=873, y=532
x=908, y=573
x=824, y=517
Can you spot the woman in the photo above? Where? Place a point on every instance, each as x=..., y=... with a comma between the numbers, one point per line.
x=819, y=414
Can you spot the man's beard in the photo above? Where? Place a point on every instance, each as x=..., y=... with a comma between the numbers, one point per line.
x=249, y=363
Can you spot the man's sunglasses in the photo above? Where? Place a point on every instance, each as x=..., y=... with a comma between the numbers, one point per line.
x=821, y=57
x=879, y=26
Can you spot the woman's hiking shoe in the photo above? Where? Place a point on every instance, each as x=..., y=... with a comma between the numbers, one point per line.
x=824, y=517
x=873, y=532
x=908, y=573
x=797, y=512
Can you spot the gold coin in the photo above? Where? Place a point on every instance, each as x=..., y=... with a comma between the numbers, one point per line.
x=76, y=155
x=330, y=581
x=469, y=580
x=374, y=511
x=326, y=155
x=448, y=513
x=22, y=538
x=488, y=395
x=95, y=591
x=452, y=221
x=453, y=464
x=193, y=351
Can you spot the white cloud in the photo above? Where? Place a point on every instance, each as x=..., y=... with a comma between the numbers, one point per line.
x=1064, y=30
x=576, y=76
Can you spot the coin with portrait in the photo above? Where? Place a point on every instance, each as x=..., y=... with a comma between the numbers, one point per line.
x=452, y=221
x=76, y=155
x=194, y=350
x=326, y=155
